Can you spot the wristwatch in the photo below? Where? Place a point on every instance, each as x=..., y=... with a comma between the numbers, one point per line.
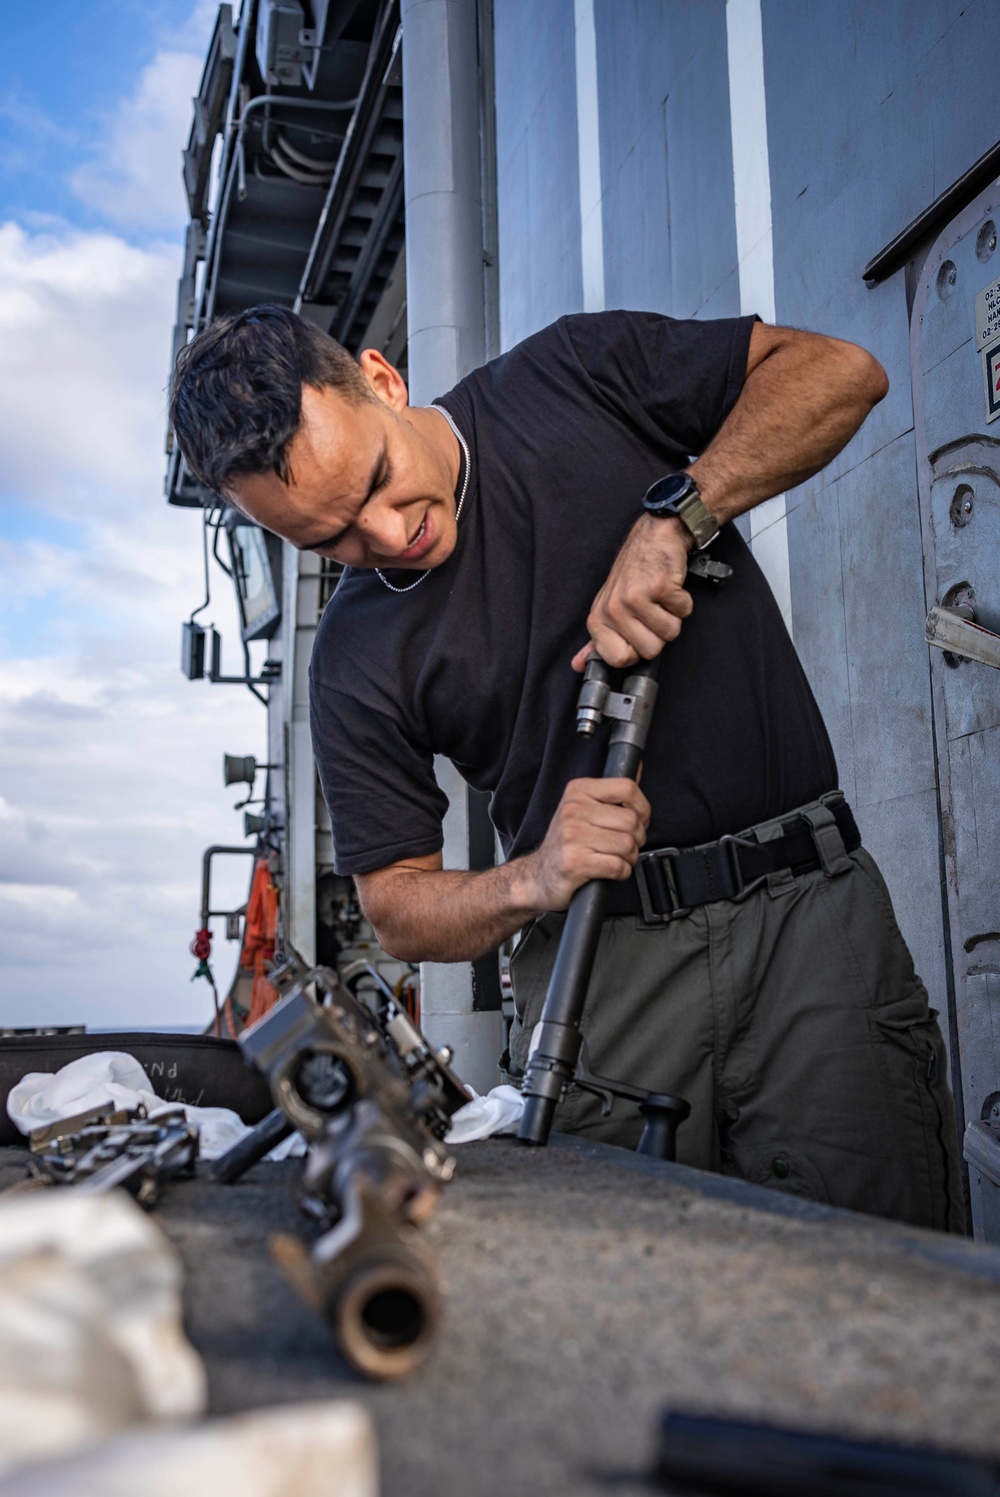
x=678, y=495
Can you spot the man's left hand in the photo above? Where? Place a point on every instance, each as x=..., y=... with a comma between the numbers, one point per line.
x=640, y=607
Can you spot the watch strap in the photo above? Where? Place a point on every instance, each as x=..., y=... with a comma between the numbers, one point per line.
x=690, y=510
x=687, y=507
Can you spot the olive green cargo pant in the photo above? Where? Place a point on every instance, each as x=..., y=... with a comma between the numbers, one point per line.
x=794, y=1024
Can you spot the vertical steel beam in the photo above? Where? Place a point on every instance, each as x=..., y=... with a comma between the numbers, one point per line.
x=588, y=130
x=444, y=226
x=299, y=617
x=446, y=301
x=752, y=197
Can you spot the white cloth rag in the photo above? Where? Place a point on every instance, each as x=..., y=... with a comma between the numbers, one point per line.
x=498, y=1112
x=106, y=1076
x=111, y=1076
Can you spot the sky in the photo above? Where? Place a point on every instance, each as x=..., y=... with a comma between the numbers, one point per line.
x=110, y=760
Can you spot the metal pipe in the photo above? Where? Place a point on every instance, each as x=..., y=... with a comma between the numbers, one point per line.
x=206, y=876
x=444, y=215
x=446, y=340
x=204, y=551
x=385, y=1315
x=251, y=1149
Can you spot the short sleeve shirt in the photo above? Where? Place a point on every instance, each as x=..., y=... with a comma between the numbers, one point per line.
x=565, y=434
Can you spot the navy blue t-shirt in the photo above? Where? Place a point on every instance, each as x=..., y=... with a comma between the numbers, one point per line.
x=566, y=432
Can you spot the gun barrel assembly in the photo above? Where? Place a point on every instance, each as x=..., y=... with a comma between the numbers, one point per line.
x=373, y=1102
x=106, y=1147
x=558, y=1059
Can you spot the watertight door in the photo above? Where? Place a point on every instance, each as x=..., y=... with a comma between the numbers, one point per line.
x=955, y=351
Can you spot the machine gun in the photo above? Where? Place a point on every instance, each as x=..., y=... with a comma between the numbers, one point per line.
x=97, y=1151
x=558, y=1060
x=373, y=1102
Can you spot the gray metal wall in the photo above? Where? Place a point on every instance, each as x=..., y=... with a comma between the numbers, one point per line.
x=666, y=162
x=871, y=111
x=538, y=196
x=666, y=159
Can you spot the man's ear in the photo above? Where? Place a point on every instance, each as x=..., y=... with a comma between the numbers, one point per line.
x=386, y=382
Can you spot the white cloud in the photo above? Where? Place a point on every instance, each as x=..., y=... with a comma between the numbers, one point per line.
x=108, y=808
x=193, y=34
x=29, y=130
x=133, y=178
x=111, y=774
x=110, y=761
x=85, y=325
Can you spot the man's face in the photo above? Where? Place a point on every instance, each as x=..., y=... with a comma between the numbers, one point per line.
x=370, y=483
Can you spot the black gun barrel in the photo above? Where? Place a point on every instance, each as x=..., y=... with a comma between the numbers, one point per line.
x=385, y=1315
x=744, y=1459
x=251, y=1149
x=372, y=1100
x=552, y=1065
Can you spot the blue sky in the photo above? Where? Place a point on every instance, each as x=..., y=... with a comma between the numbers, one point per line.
x=110, y=761
x=69, y=63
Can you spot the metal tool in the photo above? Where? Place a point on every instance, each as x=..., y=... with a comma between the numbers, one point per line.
x=739, y=1458
x=955, y=631
x=558, y=1061
x=104, y=1148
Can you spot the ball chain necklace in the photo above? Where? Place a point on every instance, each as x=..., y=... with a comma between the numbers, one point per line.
x=458, y=508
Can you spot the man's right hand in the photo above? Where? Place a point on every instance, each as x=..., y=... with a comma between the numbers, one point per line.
x=598, y=831
x=423, y=912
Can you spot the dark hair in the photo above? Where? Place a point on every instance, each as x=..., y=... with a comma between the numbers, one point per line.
x=236, y=391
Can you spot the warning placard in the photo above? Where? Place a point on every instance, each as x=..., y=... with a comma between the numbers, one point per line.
x=988, y=315
x=991, y=371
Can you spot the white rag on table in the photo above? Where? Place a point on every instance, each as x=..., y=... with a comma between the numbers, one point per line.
x=111, y=1076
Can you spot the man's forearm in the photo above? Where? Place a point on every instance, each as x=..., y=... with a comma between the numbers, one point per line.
x=803, y=399
x=422, y=912
x=800, y=404
x=443, y=915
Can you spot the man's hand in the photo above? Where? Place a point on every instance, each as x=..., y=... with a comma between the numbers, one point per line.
x=640, y=607
x=598, y=831
x=803, y=398
x=423, y=912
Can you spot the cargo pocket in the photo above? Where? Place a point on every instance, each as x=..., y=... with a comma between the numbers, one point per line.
x=911, y=1057
x=788, y=1170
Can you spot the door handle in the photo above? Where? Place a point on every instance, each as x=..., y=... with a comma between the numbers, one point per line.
x=949, y=629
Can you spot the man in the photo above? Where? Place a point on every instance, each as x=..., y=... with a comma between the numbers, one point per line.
x=780, y=1000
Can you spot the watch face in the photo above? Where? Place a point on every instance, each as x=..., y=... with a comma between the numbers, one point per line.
x=666, y=492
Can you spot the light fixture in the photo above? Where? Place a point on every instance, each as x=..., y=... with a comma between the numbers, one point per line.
x=241, y=769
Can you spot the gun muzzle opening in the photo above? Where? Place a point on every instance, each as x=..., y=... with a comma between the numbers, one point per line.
x=324, y=1082
x=393, y=1318
x=385, y=1318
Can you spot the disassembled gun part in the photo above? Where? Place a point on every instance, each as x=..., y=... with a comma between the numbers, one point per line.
x=556, y=1063
x=99, y=1150
x=373, y=1101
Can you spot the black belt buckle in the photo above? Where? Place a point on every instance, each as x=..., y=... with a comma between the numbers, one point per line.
x=743, y=890
x=662, y=855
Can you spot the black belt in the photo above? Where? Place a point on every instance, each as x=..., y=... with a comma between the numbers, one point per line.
x=669, y=881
